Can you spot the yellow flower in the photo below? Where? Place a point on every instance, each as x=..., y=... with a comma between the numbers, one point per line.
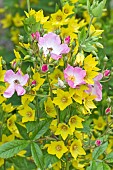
x=63, y=130
x=1, y=162
x=7, y=21
x=21, y=153
x=53, y=125
x=12, y=127
x=94, y=32
x=14, y=35
x=75, y=122
x=57, y=148
x=39, y=81
x=99, y=123
x=11, y=168
x=40, y=17
x=76, y=164
x=56, y=166
x=2, y=72
x=76, y=149
x=56, y=74
x=2, y=99
x=27, y=114
x=49, y=108
x=63, y=99
x=7, y=107
x=67, y=9
x=73, y=1
x=17, y=19
x=6, y=139
x=79, y=59
x=88, y=103
x=58, y=18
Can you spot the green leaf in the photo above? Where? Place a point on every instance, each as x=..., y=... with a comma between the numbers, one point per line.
x=88, y=6
x=9, y=149
x=42, y=128
x=88, y=47
x=23, y=163
x=22, y=131
x=92, y=166
x=37, y=155
x=31, y=126
x=97, y=11
x=109, y=158
x=2, y=83
x=49, y=159
x=99, y=150
x=103, y=166
x=82, y=35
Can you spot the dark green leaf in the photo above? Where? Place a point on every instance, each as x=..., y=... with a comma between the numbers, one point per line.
x=82, y=35
x=23, y=163
x=31, y=126
x=9, y=149
x=22, y=131
x=42, y=128
x=37, y=155
x=99, y=150
x=49, y=159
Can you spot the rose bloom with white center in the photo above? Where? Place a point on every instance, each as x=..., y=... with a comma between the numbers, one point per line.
x=16, y=81
x=74, y=76
x=51, y=44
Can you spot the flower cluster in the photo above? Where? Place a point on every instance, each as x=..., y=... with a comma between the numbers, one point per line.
x=53, y=120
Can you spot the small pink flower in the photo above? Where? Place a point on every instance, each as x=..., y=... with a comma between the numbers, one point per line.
x=16, y=81
x=33, y=83
x=67, y=40
x=106, y=73
x=35, y=35
x=98, y=142
x=74, y=76
x=44, y=68
x=51, y=44
x=108, y=110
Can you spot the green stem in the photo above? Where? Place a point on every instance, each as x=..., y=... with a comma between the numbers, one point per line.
x=88, y=31
x=67, y=165
x=28, y=5
x=4, y=164
x=37, y=108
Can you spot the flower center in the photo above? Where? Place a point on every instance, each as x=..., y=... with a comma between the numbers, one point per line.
x=59, y=18
x=75, y=147
x=66, y=11
x=73, y=120
x=99, y=125
x=58, y=148
x=48, y=109
x=64, y=128
x=64, y=100
x=16, y=82
x=50, y=49
x=72, y=78
x=29, y=114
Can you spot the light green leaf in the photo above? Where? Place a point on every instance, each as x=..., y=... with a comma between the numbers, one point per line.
x=92, y=166
x=103, y=166
x=9, y=149
x=109, y=158
x=37, y=155
x=99, y=150
x=49, y=159
x=22, y=131
x=97, y=11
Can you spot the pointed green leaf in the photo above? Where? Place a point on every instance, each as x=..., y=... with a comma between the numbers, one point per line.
x=9, y=149
x=99, y=150
x=49, y=159
x=92, y=166
x=42, y=128
x=22, y=131
x=37, y=155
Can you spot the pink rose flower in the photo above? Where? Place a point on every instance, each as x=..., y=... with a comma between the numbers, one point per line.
x=67, y=40
x=16, y=81
x=74, y=76
x=96, y=89
x=51, y=43
x=44, y=68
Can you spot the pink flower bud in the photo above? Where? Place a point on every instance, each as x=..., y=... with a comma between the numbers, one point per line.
x=98, y=142
x=44, y=68
x=106, y=73
x=67, y=40
x=14, y=64
x=33, y=83
x=108, y=110
x=35, y=35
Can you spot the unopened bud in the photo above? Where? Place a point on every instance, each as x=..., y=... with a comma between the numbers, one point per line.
x=106, y=73
x=33, y=83
x=28, y=70
x=98, y=142
x=3, y=62
x=44, y=68
x=67, y=40
x=108, y=110
x=105, y=58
